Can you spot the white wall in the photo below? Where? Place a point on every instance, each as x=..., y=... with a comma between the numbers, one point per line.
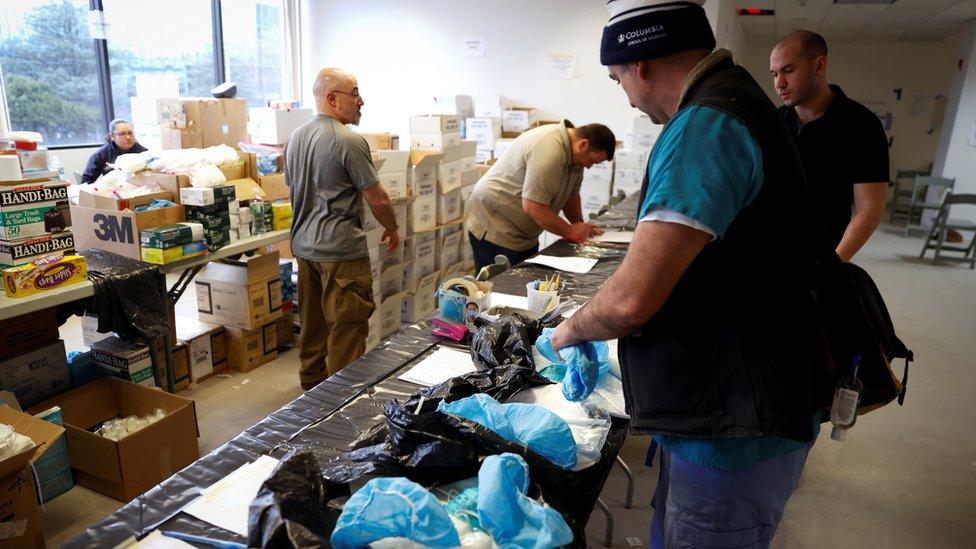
x=870, y=73
x=403, y=54
x=956, y=157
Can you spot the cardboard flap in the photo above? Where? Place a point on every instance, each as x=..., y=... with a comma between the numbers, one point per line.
x=247, y=189
x=43, y=434
x=424, y=160
x=378, y=163
x=93, y=454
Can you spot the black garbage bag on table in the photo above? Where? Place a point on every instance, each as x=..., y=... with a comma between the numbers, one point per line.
x=292, y=508
x=128, y=297
x=508, y=340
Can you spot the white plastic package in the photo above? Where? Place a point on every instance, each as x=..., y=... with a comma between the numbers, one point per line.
x=12, y=442
x=206, y=174
x=117, y=429
x=131, y=163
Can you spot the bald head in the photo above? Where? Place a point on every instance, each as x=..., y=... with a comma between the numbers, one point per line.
x=809, y=44
x=337, y=95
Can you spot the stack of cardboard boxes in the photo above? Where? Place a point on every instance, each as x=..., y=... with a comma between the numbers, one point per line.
x=188, y=122
x=597, y=186
x=245, y=297
x=217, y=209
x=631, y=164
x=35, y=221
x=32, y=358
x=486, y=132
x=206, y=347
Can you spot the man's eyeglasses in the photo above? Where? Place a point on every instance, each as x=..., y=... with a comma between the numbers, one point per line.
x=354, y=93
x=123, y=134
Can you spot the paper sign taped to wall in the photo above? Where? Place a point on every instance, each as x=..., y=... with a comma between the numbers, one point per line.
x=473, y=46
x=562, y=66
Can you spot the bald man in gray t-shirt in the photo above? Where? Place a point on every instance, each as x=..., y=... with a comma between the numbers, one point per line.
x=328, y=168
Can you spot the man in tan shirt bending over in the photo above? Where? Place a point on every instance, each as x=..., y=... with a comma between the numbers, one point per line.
x=522, y=193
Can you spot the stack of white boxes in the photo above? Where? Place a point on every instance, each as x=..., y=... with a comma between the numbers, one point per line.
x=486, y=131
x=628, y=173
x=149, y=115
x=597, y=187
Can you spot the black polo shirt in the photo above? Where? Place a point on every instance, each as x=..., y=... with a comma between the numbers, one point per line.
x=847, y=145
x=106, y=154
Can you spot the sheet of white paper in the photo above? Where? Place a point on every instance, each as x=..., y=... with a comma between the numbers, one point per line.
x=473, y=46
x=507, y=300
x=562, y=66
x=617, y=237
x=438, y=367
x=578, y=265
x=225, y=503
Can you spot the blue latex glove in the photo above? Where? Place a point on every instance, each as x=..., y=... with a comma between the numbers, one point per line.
x=512, y=518
x=393, y=507
x=531, y=425
x=585, y=363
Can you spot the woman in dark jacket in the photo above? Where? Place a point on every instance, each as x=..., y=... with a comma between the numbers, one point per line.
x=121, y=140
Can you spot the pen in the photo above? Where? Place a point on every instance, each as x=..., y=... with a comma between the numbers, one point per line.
x=220, y=544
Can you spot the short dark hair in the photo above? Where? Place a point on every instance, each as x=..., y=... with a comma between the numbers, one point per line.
x=600, y=138
x=812, y=44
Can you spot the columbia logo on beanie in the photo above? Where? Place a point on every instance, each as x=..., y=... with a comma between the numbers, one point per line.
x=646, y=29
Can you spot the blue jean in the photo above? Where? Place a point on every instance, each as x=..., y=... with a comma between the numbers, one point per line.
x=484, y=252
x=696, y=506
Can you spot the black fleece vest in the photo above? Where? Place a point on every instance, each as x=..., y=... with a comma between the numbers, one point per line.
x=734, y=351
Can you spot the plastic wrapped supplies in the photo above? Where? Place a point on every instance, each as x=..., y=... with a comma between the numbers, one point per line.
x=131, y=163
x=117, y=429
x=206, y=174
x=178, y=161
x=12, y=442
x=114, y=185
x=584, y=362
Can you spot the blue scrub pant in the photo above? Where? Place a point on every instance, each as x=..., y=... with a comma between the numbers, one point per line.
x=695, y=506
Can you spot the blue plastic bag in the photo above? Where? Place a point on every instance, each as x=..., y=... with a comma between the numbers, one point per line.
x=585, y=363
x=393, y=507
x=512, y=518
x=531, y=425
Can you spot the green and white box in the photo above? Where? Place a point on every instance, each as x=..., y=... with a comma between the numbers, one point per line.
x=33, y=209
x=124, y=359
x=25, y=250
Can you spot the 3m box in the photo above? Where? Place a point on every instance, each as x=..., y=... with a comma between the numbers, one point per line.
x=126, y=468
x=244, y=294
x=435, y=123
x=273, y=126
x=33, y=208
x=126, y=360
x=119, y=232
x=248, y=349
x=37, y=374
x=25, y=250
x=422, y=214
x=206, y=344
x=18, y=498
x=517, y=119
x=449, y=206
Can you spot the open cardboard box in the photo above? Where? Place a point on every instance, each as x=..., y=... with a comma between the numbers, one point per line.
x=43, y=434
x=118, y=231
x=92, y=200
x=173, y=183
x=126, y=468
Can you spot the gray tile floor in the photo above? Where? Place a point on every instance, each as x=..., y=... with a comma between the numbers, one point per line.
x=906, y=477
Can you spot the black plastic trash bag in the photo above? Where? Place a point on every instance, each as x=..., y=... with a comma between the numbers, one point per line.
x=292, y=507
x=508, y=340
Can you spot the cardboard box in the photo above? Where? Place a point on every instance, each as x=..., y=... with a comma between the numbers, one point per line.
x=33, y=208
x=394, y=183
x=483, y=156
x=602, y=171
x=433, y=141
x=423, y=177
x=484, y=131
x=157, y=111
x=36, y=374
x=221, y=121
x=274, y=126
x=449, y=176
x=449, y=206
x=422, y=213
x=517, y=119
x=118, y=232
x=275, y=187
x=179, y=138
x=249, y=349
x=126, y=360
x=394, y=161
x=244, y=294
x=373, y=335
x=285, y=326
x=26, y=250
x=206, y=345
x=389, y=315
x=18, y=497
x=629, y=181
x=422, y=303
x=625, y=159
x=28, y=331
x=126, y=468
x=181, y=366
x=381, y=141
x=435, y=123
x=207, y=196
x=448, y=248
x=370, y=223
x=391, y=281
x=33, y=161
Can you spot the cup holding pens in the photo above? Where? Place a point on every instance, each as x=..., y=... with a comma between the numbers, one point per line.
x=541, y=301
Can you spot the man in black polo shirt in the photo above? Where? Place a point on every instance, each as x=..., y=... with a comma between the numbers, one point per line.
x=842, y=143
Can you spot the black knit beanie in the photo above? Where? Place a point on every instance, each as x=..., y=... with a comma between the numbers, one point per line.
x=646, y=29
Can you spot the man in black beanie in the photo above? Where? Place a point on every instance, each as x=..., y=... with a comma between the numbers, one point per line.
x=719, y=342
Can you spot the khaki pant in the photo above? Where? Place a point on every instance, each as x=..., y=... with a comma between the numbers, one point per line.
x=335, y=300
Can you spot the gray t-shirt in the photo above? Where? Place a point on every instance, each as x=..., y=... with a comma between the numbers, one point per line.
x=326, y=166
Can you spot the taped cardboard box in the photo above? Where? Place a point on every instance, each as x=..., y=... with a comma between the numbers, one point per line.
x=22, y=521
x=206, y=345
x=221, y=121
x=36, y=374
x=249, y=349
x=28, y=331
x=119, y=231
x=128, y=467
x=245, y=294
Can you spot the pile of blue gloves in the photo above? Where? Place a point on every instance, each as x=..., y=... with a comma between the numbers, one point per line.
x=579, y=366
